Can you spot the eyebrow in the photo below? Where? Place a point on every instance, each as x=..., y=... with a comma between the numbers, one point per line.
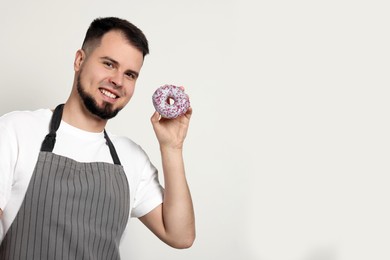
x=117, y=63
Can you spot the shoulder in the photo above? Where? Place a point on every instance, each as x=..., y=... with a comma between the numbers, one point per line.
x=24, y=117
x=25, y=121
x=128, y=146
x=132, y=156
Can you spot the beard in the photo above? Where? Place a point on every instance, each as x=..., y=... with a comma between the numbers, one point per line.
x=106, y=111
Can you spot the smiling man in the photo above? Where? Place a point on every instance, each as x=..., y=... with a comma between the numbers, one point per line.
x=68, y=186
x=105, y=78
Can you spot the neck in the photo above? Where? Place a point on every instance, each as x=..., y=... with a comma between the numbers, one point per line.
x=78, y=116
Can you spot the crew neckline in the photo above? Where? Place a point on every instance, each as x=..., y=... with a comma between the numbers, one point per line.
x=78, y=131
x=69, y=129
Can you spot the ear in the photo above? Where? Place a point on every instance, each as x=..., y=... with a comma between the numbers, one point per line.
x=79, y=59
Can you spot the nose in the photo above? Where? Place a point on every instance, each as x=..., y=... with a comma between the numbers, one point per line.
x=116, y=80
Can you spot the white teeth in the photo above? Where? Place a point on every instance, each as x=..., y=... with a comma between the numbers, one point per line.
x=107, y=93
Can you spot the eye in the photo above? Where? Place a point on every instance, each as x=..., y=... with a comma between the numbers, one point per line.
x=131, y=75
x=108, y=64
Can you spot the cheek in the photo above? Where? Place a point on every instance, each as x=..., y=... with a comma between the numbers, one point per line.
x=130, y=90
x=92, y=76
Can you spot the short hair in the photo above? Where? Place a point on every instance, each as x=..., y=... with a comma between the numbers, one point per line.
x=100, y=26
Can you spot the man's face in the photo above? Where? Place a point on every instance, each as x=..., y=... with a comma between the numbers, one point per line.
x=107, y=75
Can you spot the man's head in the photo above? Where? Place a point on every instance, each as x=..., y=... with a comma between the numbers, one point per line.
x=108, y=66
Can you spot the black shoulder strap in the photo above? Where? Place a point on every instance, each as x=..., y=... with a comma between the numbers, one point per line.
x=50, y=139
x=114, y=155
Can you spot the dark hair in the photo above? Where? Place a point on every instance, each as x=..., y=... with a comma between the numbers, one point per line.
x=101, y=26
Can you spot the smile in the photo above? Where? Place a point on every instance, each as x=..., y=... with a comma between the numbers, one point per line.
x=108, y=93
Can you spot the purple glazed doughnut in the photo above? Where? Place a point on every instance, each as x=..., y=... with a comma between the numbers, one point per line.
x=161, y=101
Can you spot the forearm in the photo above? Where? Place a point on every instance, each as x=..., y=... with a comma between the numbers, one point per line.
x=178, y=212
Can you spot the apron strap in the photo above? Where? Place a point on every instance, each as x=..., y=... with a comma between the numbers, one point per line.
x=50, y=139
x=114, y=155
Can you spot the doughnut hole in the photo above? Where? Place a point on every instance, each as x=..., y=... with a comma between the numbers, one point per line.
x=170, y=101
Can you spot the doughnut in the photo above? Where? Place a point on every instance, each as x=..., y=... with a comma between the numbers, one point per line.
x=162, y=96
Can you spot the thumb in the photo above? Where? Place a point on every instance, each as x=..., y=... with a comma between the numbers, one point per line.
x=155, y=117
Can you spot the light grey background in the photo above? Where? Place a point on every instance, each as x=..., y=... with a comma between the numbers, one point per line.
x=288, y=151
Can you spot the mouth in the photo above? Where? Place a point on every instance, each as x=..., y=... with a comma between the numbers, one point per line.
x=108, y=93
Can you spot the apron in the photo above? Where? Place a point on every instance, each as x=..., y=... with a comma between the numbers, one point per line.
x=71, y=210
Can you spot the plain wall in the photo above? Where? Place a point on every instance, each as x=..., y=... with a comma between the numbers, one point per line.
x=288, y=151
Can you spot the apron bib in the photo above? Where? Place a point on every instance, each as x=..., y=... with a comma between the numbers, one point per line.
x=71, y=210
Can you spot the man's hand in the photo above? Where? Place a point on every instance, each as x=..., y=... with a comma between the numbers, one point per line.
x=171, y=132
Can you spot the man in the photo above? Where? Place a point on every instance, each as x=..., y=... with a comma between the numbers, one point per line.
x=67, y=186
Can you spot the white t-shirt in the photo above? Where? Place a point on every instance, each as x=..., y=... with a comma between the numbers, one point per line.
x=21, y=136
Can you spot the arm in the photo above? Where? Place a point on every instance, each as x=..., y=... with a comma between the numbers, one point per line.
x=173, y=221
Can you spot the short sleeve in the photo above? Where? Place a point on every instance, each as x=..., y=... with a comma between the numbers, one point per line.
x=149, y=193
x=8, y=155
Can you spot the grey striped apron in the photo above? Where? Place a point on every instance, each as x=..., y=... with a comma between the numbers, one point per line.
x=71, y=210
